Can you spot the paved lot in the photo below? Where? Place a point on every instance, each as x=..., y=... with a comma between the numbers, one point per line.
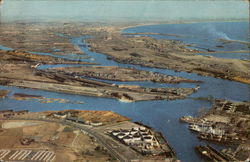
x=27, y=155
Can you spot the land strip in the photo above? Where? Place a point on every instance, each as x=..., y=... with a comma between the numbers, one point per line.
x=146, y=51
x=4, y=93
x=121, y=74
x=12, y=74
x=34, y=59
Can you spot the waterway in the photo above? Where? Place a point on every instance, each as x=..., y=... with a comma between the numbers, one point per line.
x=161, y=115
x=213, y=36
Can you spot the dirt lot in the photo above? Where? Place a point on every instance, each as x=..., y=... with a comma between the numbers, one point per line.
x=18, y=124
x=105, y=117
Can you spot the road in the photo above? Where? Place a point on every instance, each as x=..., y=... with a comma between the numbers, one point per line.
x=100, y=138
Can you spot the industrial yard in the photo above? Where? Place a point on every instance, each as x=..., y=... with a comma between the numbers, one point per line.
x=142, y=140
x=74, y=135
x=227, y=122
x=137, y=141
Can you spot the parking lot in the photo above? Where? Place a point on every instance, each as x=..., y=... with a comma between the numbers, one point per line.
x=26, y=154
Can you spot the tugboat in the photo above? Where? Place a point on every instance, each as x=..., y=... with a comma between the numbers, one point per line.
x=210, y=50
x=197, y=88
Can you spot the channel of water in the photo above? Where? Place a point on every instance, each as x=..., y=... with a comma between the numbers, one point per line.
x=161, y=115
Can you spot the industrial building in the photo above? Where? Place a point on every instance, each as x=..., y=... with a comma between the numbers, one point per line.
x=140, y=139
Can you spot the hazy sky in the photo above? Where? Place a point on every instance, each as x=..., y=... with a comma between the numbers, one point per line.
x=157, y=10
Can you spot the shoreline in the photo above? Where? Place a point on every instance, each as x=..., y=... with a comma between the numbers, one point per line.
x=127, y=22
x=182, y=22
